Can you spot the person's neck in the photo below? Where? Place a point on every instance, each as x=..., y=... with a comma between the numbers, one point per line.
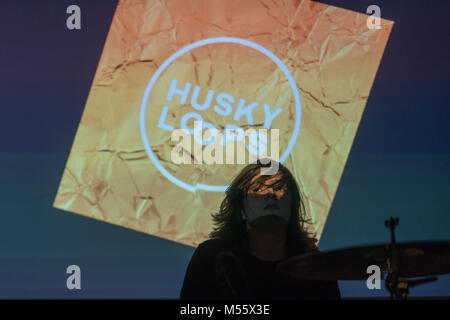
x=267, y=245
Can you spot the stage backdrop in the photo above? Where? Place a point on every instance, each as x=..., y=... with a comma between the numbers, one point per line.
x=301, y=67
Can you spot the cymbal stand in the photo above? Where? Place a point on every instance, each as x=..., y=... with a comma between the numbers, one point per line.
x=397, y=284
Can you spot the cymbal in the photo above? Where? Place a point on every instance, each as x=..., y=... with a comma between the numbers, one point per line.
x=415, y=259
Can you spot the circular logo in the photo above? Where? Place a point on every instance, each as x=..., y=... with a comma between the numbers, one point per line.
x=172, y=58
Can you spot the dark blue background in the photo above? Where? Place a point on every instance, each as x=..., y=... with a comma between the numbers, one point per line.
x=399, y=163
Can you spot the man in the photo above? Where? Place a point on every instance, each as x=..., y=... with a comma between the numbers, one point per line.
x=260, y=223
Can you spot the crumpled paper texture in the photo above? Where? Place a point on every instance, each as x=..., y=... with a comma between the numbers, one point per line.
x=330, y=52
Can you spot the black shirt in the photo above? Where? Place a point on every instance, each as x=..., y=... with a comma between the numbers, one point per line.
x=203, y=281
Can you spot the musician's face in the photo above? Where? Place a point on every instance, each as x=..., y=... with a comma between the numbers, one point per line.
x=267, y=204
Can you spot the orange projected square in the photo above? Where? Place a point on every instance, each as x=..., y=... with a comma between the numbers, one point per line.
x=301, y=67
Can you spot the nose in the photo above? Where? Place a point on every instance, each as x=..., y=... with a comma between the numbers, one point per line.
x=271, y=195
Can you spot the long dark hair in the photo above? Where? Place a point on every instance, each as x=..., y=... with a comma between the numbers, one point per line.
x=228, y=222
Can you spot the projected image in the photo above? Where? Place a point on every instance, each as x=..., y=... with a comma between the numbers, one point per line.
x=283, y=81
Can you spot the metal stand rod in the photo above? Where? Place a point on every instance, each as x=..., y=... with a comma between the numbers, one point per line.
x=396, y=283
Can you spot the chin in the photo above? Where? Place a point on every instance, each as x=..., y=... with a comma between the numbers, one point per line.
x=269, y=221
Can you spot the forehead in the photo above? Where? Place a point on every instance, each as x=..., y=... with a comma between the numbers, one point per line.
x=268, y=180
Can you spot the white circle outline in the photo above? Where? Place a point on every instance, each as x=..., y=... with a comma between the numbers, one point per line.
x=195, y=45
